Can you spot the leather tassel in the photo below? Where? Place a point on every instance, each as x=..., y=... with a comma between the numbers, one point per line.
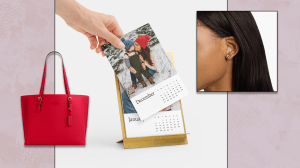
x=70, y=120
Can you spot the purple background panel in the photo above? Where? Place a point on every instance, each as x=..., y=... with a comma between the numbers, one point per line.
x=264, y=128
x=26, y=37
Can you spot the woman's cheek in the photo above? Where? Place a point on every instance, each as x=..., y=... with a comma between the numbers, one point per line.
x=203, y=67
x=208, y=64
x=205, y=53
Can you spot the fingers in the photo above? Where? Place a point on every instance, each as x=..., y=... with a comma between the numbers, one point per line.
x=113, y=39
x=93, y=40
x=117, y=30
x=98, y=49
x=110, y=31
x=101, y=42
x=114, y=26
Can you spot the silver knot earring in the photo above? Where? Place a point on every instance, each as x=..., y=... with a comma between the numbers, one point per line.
x=228, y=56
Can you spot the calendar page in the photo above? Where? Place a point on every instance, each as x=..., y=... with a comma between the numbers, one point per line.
x=145, y=72
x=166, y=122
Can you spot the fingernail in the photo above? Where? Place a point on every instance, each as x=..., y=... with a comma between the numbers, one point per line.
x=93, y=47
x=121, y=45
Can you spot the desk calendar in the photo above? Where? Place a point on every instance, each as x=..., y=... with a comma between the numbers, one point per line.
x=161, y=129
x=145, y=72
x=161, y=123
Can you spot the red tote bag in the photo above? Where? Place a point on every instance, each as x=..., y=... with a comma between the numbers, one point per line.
x=54, y=119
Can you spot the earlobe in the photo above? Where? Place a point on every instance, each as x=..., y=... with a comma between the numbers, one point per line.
x=232, y=47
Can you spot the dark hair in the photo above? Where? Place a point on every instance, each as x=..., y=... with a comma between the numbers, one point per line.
x=250, y=68
x=146, y=55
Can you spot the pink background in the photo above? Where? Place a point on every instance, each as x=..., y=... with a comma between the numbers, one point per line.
x=264, y=129
x=27, y=36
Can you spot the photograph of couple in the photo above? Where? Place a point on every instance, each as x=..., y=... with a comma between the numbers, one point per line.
x=142, y=64
x=139, y=60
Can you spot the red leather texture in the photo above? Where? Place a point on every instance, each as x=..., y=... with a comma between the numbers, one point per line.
x=54, y=119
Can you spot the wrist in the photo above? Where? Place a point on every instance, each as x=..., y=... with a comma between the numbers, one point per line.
x=71, y=11
x=81, y=15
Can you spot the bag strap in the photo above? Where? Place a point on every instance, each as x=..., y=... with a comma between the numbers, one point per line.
x=40, y=97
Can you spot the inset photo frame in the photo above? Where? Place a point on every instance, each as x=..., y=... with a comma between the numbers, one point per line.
x=237, y=51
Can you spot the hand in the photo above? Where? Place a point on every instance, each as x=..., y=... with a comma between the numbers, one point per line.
x=141, y=58
x=144, y=66
x=91, y=24
x=132, y=70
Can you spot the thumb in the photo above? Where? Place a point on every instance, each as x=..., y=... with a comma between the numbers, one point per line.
x=113, y=39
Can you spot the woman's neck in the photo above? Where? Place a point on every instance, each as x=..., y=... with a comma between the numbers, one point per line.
x=223, y=84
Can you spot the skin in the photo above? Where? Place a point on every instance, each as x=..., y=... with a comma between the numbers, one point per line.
x=214, y=70
x=137, y=47
x=97, y=27
x=131, y=48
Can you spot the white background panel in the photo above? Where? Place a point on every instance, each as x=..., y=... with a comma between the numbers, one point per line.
x=90, y=74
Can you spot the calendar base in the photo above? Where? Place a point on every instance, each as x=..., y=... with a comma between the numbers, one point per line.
x=152, y=141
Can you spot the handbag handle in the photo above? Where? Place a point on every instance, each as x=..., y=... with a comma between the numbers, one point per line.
x=40, y=97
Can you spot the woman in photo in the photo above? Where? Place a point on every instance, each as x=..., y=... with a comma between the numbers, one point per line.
x=230, y=53
x=146, y=56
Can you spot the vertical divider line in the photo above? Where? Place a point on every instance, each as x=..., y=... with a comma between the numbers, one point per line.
x=54, y=70
x=227, y=129
x=227, y=10
x=227, y=110
x=196, y=54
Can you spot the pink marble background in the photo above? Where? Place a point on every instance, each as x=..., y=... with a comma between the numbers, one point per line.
x=264, y=129
x=26, y=37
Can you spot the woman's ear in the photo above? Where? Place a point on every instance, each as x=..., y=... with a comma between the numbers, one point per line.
x=232, y=47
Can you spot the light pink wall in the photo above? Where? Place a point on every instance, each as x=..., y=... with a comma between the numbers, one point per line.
x=264, y=129
x=26, y=37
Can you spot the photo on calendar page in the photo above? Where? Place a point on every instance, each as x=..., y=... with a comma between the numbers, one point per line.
x=145, y=72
